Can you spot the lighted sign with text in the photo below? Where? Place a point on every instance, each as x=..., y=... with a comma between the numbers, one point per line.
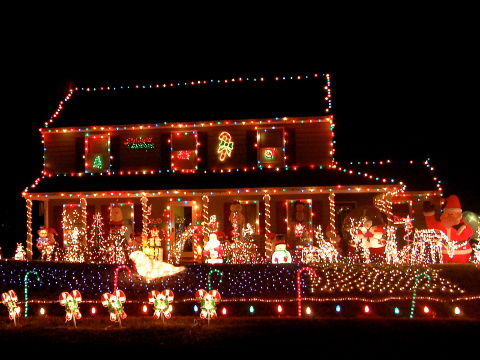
x=139, y=143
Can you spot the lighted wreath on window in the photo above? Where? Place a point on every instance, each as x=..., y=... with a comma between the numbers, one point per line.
x=226, y=145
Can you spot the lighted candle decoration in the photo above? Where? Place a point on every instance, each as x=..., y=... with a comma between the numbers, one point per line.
x=25, y=280
x=71, y=301
x=208, y=303
x=162, y=303
x=114, y=303
x=9, y=299
x=299, y=290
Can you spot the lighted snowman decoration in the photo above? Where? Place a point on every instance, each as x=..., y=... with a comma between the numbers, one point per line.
x=281, y=255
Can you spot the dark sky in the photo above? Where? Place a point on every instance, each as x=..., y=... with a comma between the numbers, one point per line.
x=390, y=109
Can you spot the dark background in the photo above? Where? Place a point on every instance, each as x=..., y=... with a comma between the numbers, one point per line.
x=411, y=99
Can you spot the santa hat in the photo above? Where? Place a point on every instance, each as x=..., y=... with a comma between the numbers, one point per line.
x=452, y=204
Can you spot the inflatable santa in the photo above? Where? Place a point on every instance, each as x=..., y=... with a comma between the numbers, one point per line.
x=213, y=250
x=451, y=223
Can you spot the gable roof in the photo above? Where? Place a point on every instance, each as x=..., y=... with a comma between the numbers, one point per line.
x=186, y=101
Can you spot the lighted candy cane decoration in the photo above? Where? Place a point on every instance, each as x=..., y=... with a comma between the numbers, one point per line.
x=414, y=295
x=162, y=303
x=117, y=269
x=9, y=299
x=114, y=303
x=226, y=145
x=25, y=280
x=208, y=303
x=299, y=290
x=209, y=276
x=71, y=301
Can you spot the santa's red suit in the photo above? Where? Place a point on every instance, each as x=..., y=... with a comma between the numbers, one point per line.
x=454, y=227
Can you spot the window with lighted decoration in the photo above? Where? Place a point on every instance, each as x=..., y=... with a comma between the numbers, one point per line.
x=184, y=150
x=271, y=147
x=97, y=153
x=299, y=221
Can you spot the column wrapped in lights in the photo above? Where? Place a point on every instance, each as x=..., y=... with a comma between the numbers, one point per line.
x=266, y=199
x=29, y=229
x=205, y=218
x=145, y=216
x=83, y=203
x=331, y=202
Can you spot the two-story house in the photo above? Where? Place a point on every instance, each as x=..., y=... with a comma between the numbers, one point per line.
x=177, y=155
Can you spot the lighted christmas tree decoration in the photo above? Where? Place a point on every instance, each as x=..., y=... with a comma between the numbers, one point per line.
x=162, y=303
x=9, y=299
x=71, y=301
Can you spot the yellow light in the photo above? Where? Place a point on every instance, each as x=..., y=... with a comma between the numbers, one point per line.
x=42, y=311
x=279, y=308
x=145, y=308
x=93, y=310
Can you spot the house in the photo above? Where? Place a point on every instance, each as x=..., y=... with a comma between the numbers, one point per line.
x=179, y=157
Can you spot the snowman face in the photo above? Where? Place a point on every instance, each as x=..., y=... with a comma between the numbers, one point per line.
x=280, y=247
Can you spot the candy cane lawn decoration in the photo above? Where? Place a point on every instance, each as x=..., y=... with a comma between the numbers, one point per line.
x=9, y=299
x=162, y=303
x=70, y=301
x=208, y=303
x=114, y=303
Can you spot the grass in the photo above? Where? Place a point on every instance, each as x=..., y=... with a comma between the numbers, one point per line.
x=235, y=336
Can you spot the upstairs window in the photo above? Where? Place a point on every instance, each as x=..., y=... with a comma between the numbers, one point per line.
x=97, y=153
x=271, y=147
x=183, y=149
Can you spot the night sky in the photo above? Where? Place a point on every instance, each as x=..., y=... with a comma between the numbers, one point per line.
x=381, y=111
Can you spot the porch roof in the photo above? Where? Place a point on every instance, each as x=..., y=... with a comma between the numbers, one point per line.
x=208, y=181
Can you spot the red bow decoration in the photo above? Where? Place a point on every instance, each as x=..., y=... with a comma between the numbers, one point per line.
x=70, y=301
x=114, y=303
x=162, y=303
x=208, y=302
